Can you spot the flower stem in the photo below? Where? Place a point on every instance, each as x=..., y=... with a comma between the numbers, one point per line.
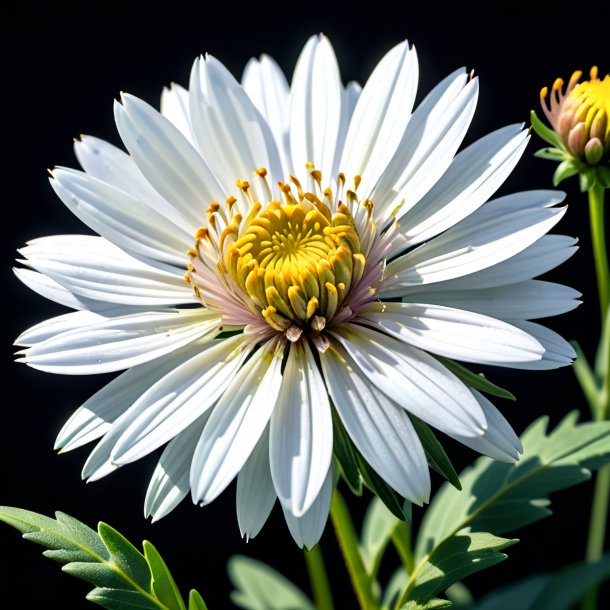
x=596, y=211
x=348, y=541
x=322, y=595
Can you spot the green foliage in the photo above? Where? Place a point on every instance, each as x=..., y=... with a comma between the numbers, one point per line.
x=556, y=591
x=122, y=576
x=260, y=587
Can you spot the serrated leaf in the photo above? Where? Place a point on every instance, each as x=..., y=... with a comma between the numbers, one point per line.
x=546, y=133
x=437, y=458
x=478, y=381
x=377, y=528
x=433, y=604
x=344, y=454
x=119, y=599
x=260, y=587
x=196, y=601
x=555, y=591
x=163, y=584
x=500, y=497
x=457, y=557
x=126, y=556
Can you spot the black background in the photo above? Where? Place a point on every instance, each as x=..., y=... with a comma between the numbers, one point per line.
x=62, y=66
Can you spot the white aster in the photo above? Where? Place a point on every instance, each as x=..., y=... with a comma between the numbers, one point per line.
x=334, y=244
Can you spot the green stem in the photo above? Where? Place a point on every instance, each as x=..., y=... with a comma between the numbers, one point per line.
x=586, y=378
x=596, y=211
x=348, y=541
x=597, y=529
x=322, y=595
x=401, y=538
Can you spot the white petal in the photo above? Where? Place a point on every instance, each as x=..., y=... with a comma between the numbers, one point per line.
x=236, y=424
x=175, y=108
x=179, y=398
x=381, y=116
x=522, y=301
x=542, y=256
x=122, y=219
x=255, y=494
x=93, y=268
x=95, y=417
x=301, y=444
x=558, y=352
x=350, y=96
x=122, y=342
x=308, y=529
x=429, y=143
x=267, y=87
x=315, y=113
x=112, y=165
x=483, y=239
x=169, y=484
x=381, y=430
x=413, y=379
x=232, y=135
x=56, y=326
x=471, y=179
x=169, y=162
x=454, y=333
x=499, y=441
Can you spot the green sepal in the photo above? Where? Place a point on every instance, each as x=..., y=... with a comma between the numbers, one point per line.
x=438, y=460
x=566, y=169
x=344, y=455
x=552, y=154
x=163, y=584
x=476, y=381
x=602, y=175
x=546, y=133
x=587, y=179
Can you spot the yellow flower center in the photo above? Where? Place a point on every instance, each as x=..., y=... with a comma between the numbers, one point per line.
x=297, y=262
x=589, y=102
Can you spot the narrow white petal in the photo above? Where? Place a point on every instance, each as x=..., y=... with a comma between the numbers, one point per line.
x=179, y=398
x=301, y=442
x=413, y=379
x=471, y=179
x=93, y=268
x=121, y=218
x=169, y=484
x=169, y=162
x=112, y=165
x=381, y=116
x=454, y=333
x=308, y=529
x=175, y=108
x=56, y=326
x=499, y=441
x=236, y=423
x=315, y=113
x=483, y=239
x=429, y=143
x=267, y=87
x=381, y=430
x=558, y=352
x=255, y=494
x=95, y=417
x=231, y=133
x=522, y=301
x=122, y=342
x=351, y=94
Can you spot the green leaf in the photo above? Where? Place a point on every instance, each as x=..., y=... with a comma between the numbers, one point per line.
x=377, y=528
x=260, y=587
x=552, y=154
x=477, y=381
x=556, y=591
x=344, y=454
x=566, y=169
x=499, y=497
x=120, y=573
x=433, y=604
x=546, y=133
x=457, y=557
x=196, y=601
x=437, y=458
x=163, y=584
x=397, y=583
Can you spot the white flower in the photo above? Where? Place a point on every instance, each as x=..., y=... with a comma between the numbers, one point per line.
x=337, y=246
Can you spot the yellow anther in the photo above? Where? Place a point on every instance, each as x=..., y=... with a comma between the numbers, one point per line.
x=243, y=185
x=261, y=171
x=309, y=165
x=201, y=233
